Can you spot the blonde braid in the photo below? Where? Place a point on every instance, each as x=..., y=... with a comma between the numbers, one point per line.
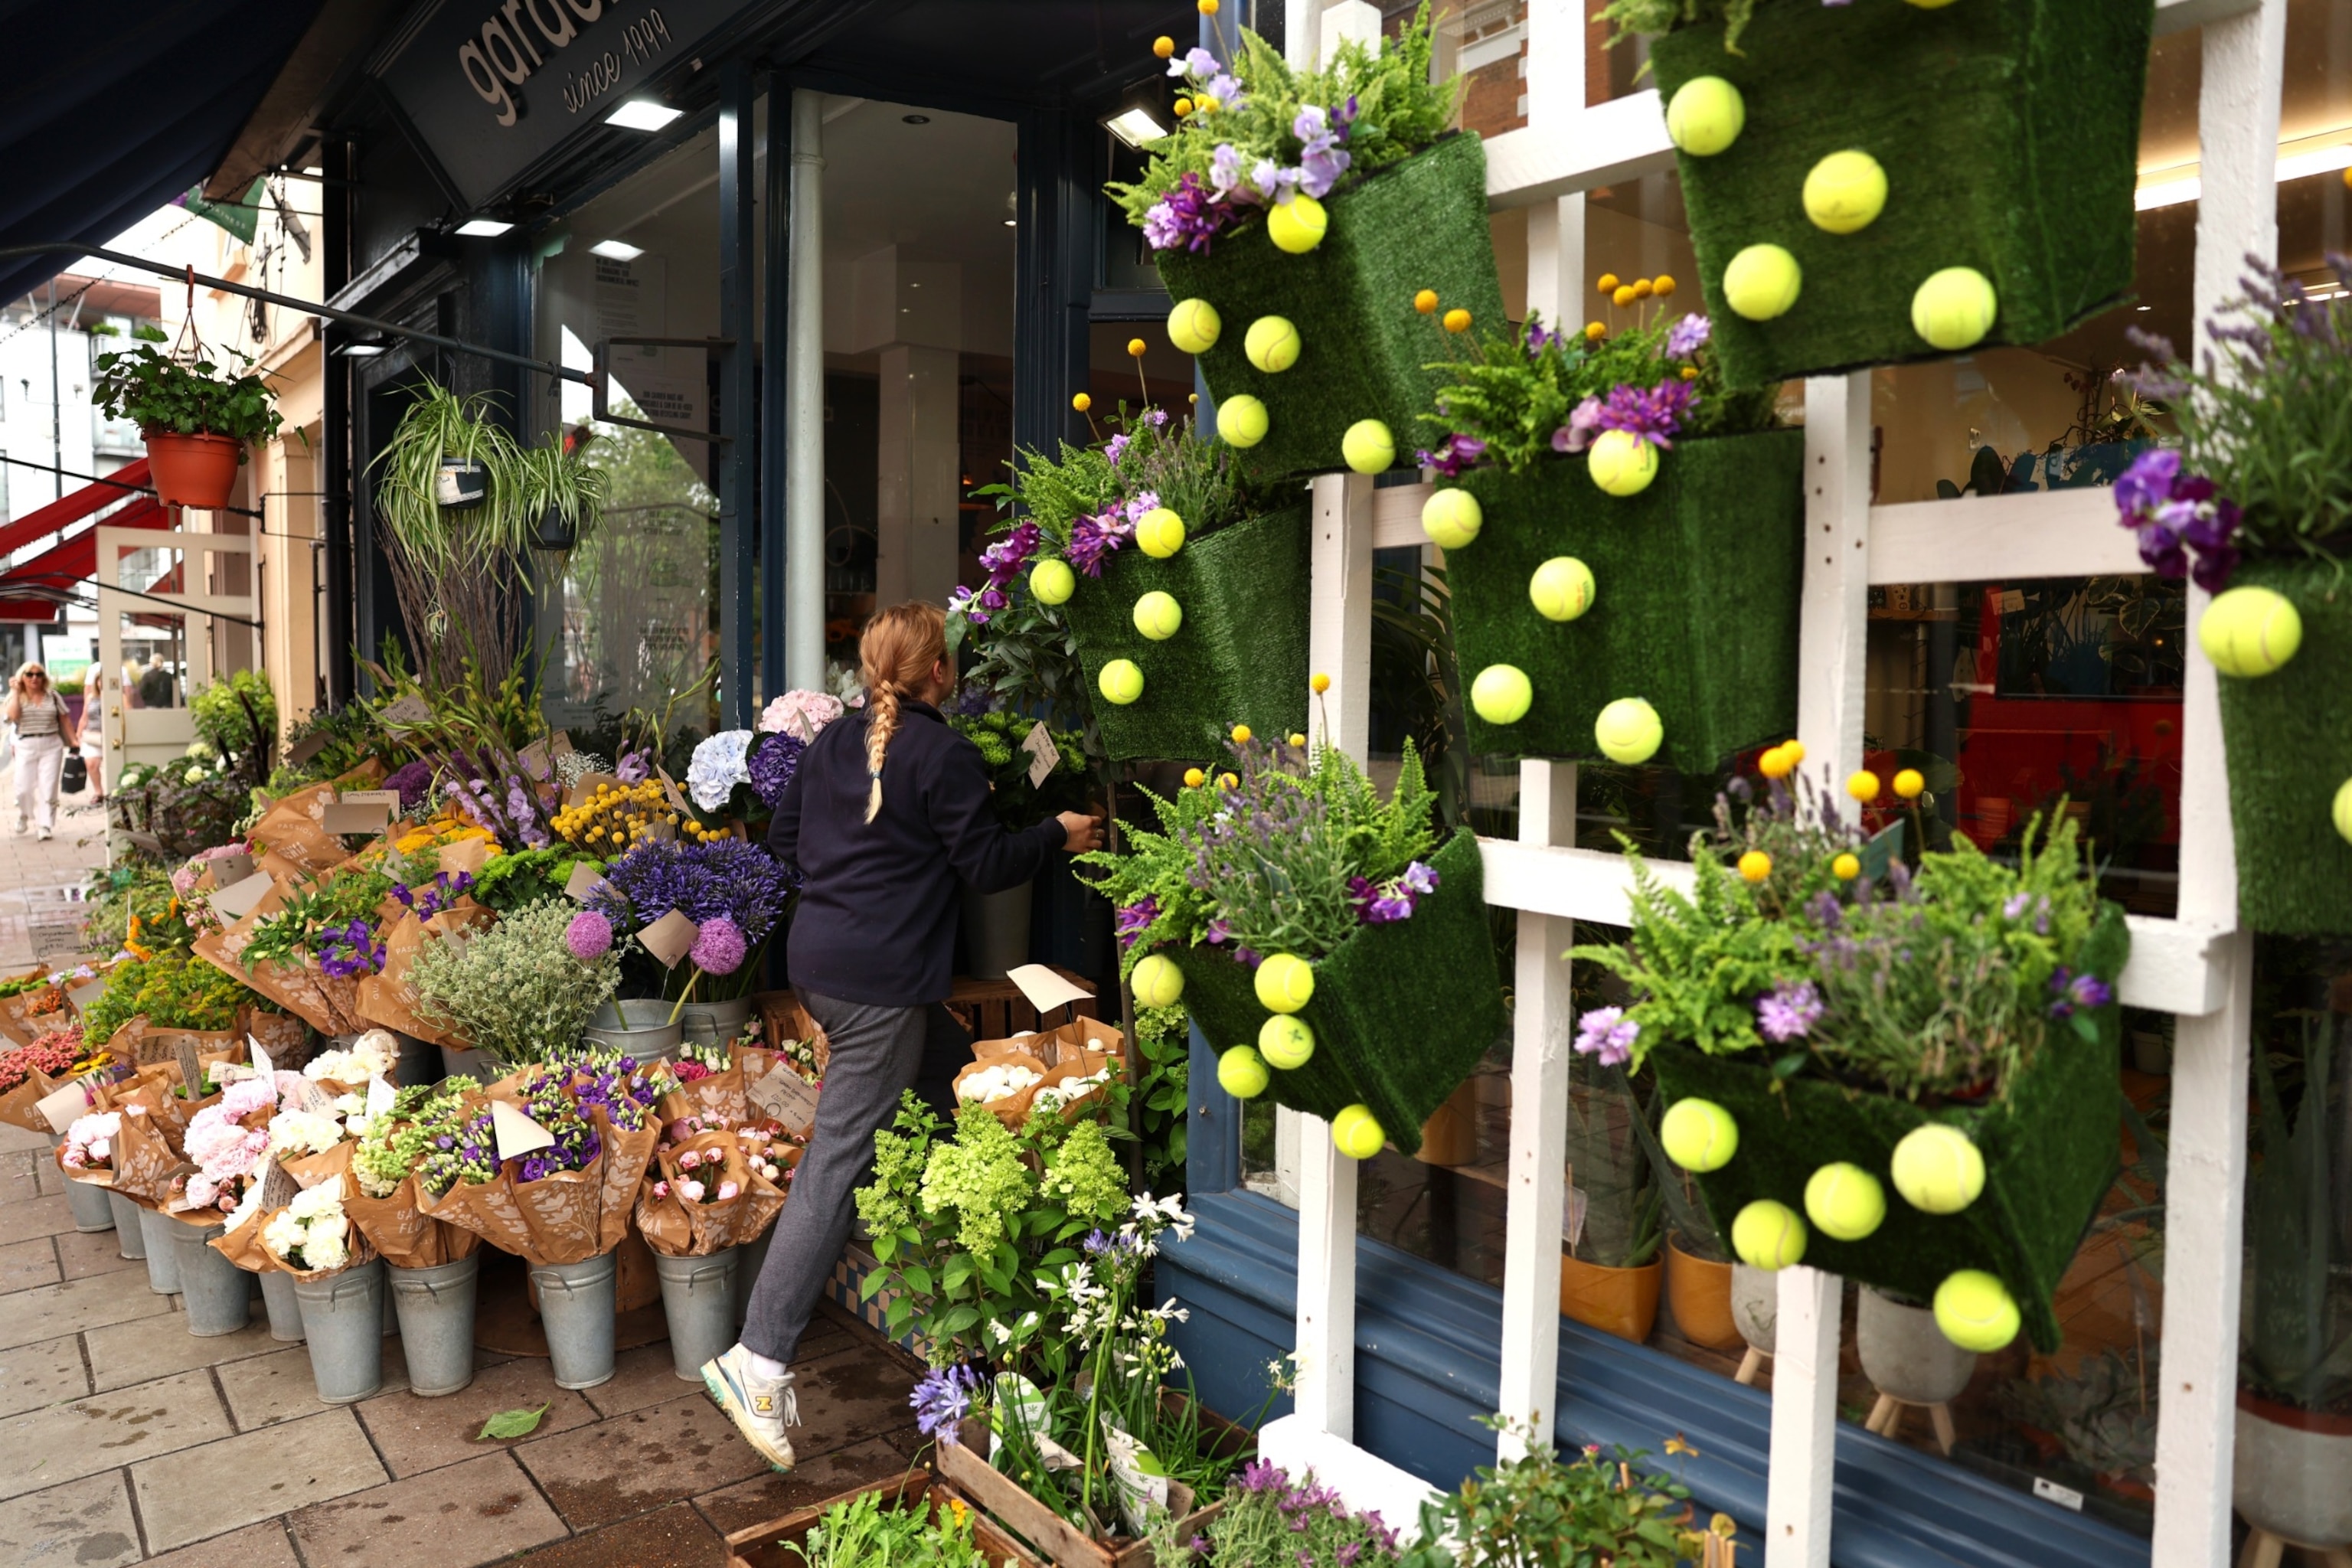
x=896, y=654
x=881, y=724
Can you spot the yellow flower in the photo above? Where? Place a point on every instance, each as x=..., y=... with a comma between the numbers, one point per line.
x=1321, y=682
x=1642, y=287
x=1662, y=286
x=1206, y=7
x=1624, y=295
x=1241, y=734
x=1164, y=45
x=1081, y=402
x=1863, y=784
x=1678, y=1444
x=1183, y=107
x=1776, y=762
x=1135, y=347
x=1755, y=866
x=1425, y=302
x=1194, y=778
x=1796, y=750
x=1594, y=331
x=1457, y=319
x=1298, y=739
x=1910, y=783
x=1229, y=781
x=1608, y=284
x=1690, y=372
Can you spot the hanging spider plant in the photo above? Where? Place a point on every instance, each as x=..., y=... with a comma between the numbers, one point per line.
x=558, y=492
x=455, y=567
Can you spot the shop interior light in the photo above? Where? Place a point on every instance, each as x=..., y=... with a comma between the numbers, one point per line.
x=1143, y=116
x=483, y=228
x=617, y=250
x=643, y=114
x=361, y=351
x=2186, y=183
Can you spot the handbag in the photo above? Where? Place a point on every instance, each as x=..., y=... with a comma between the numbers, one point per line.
x=74, y=777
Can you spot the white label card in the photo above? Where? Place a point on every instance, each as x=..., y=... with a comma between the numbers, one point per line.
x=380, y=1096
x=518, y=1134
x=233, y=902
x=262, y=1066
x=1045, y=989
x=1571, y=1216
x=409, y=710
x=582, y=883
x=2050, y=1491
x=783, y=1094
x=670, y=938
x=61, y=1108
x=1044, y=756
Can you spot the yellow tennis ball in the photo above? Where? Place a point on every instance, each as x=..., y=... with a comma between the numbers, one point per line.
x=1368, y=446
x=1561, y=588
x=1194, y=326
x=1621, y=463
x=1297, y=225
x=1698, y=1135
x=1452, y=517
x=1629, y=731
x=1157, y=981
x=2343, y=811
x=1762, y=282
x=1285, y=983
x=1846, y=1201
x=1159, y=533
x=1845, y=192
x=1955, y=309
x=1241, y=1073
x=1271, y=344
x=1121, y=682
x=1938, y=1169
x=1241, y=421
x=1285, y=1042
x=1357, y=1133
x=1052, y=581
x=1705, y=115
x=1976, y=1311
x=1768, y=1235
x=1502, y=694
x=1158, y=615
x=2250, y=632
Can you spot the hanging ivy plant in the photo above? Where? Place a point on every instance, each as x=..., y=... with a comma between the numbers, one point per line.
x=157, y=393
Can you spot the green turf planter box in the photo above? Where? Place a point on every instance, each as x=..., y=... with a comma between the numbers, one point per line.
x=2050, y=1154
x=1696, y=583
x=1240, y=657
x=2010, y=133
x=1421, y=224
x=2289, y=740
x=1401, y=1013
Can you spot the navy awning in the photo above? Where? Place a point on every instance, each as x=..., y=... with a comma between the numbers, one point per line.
x=116, y=107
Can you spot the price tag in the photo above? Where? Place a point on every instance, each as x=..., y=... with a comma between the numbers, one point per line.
x=581, y=885
x=262, y=1066
x=309, y=746
x=380, y=1096
x=228, y=868
x=670, y=938
x=1885, y=848
x=517, y=1135
x=360, y=810
x=409, y=710
x=2065, y=1497
x=192, y=1071
x=61, y=1107
x=669, y=788
x=786, y=1096
x=1044, y=756
x=233, y=902
x=277, y=1187
x=313, y=1099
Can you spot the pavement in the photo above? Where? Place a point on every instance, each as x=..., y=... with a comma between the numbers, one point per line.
x=33, y=873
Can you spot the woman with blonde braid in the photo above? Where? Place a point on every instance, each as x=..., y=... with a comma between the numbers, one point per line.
x=886, y=813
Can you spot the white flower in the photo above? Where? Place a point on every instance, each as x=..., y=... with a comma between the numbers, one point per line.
x=374, y=1054
x=996, y=1082
x=718, y=764
x=303, y=1132
x=325, y=1251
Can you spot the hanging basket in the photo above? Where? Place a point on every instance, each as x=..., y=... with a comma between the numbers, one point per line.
x=1364, y=350
x=1697, y=585
x=1239, y=657
x=553, y=531
x=2050, y=1154
x=197, y=470
x=461, y=483
x=2009, y=133
x=1401, y=1013
x=2288, y=737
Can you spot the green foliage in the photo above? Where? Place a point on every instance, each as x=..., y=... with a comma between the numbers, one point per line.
x=1656, y=16
x=557, y=478
x=1269, y=1523
x=1158, y=865
x=1597, y=1511
x=2298, y=1340
x=516, y=991
x=237, y=715
x=1027, y=659
x=867, y=1533
x=287, y=936
x=1163, y=1055
x=512, y=880
x=507, y=1423
x=395, y=1144
x=1017, y=803
x=158, y=393
x=173, y=990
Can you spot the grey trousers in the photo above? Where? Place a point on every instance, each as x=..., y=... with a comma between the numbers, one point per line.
x=875, y=1054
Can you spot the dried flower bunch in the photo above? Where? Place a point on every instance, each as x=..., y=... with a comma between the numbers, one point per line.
x=517, y=989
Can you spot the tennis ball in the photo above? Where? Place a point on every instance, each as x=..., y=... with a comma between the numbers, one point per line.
x=1452, y=517
x=1561, y=588
x=1159, y=533
x=1621, y=463
x=1698, y=1135
x=1271, y=343
x=1297, y=225
x=1157, y=981
x=1976, y=1311
x=1502, y=694
x=1938, y=1169
x=1241, y=421
x=2343, y=813
x=1955, y=309
x=1846, y=1201
x=1768, y=1235
x=2250, y=632
x=1705, y=115
x=1629, y=731
x=1762, y=282
x=1158, y=615
x=1845, y=192
x=1121, y=682
x=1241, y=1073
x=1368, y=446
x=1053, y=581
x=1357, y=1133
x=1194, y=326
x=1285, y=1042
x=1285, y=983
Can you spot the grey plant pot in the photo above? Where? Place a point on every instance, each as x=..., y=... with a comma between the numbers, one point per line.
x=129, y=1240
x=1756, y=1305
x=476, y=1064
x=91, y=1211
x=284, y=1307
x=715, y=1023
x=436, y=1309
x=218, y=1294
x=640, y=1025
x=2294, y=1483
x=576, y=1305
x=343, y=1319
x=699, y=1300
x=162, y=1257
x=1905, y=1354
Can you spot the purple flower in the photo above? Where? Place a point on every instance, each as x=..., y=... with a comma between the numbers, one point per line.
x=2148, y=483
x=1220, y=932
x=1188, y=216
x=1789, y=1012
x=942, y=1398
x=345, y=952
x=589, y=936
x=411, y=780
x=1115, y=448
x=1576, y=434
x=1134, y=920
x=2086, y=991
x=719, y=947
x=1688, y=333
x=1420, y=878
x=724, y=876
x=635, y=767
x=1094, y=538
x=1452, y=455
x=1196, y=62
x=1653, y=413
x=1273, y=181
x=2175, y=513
x=1608, y=1033
x=773, y=760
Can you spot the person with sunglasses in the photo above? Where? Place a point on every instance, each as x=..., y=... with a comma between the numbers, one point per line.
x=45, y=730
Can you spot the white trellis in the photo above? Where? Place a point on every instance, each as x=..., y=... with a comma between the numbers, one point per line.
x=2197, y=965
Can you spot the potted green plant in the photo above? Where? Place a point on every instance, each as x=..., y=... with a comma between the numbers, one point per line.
x=996, y=925
x=453, y=540
x=559, y=491
x=1698, y=1266
x=1623, y=536
x=196, y=417
x=1611, y=1266
x=1596, y=1508
x=1875, y=183
x=1297, y=216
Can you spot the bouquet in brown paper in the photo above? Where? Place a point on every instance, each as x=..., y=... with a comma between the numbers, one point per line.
x=385, y=1162
x=29, y=1074
x=313, y=1236
x=738, y=1084
x=712, y=1191
x=291, y=837
x=1065, y=1071
x=390, y=998
x=306, y=949
x=25, y=1015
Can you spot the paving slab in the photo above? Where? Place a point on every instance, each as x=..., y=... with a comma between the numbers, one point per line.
x=46, y=1373
x=81, y=1254
x=47, y=1177
x=15, y=1139
x=86, y=1523
x=642, y=1377
x=210, y=1491
x=19, y=1186
x=464, y=1514
x=771, y=1496
x=127, y=1353
x=855, y=1393
x=256, y=1546
x=30, y=1216
x=673, y=1537
x=45, y=1311
x=637, y=1462
x=416, y=1434
x=24, y=1264
x=65, y=1442
x=263, y=1390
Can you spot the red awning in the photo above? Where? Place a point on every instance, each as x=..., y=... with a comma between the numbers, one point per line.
x=71, y=562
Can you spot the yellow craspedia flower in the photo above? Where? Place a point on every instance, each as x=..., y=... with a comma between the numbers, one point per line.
x=1081, y=402
x=1690, y=372
x=1425, y=302
x=1662, y=286
x=1846, y=868
x=1231, y=781
x=1194, y=778
x=1594, y=331
x=1910, y=783
x=1457, y=319
x=1624, y=296
x=1164, y=45
x=1206, y=7
x=1796, y=750
x=1135, y=347
x=1755, y=866
x=1321, y=682
x=1608, y=284
x=1183, y=106
x=1298, y=739
x=1776, y=762
x=1642, y=287
x=1241, y=734
x=1863, y=784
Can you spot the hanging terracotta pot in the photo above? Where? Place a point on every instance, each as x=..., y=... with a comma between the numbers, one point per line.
x=1620, y=1301
x=1699, y=1292
x=197, y=470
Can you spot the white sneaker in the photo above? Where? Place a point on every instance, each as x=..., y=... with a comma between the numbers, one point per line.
x=760, y=1407
x=43, y=834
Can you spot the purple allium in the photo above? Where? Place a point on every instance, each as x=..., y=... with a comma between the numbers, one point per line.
x=1789, y=1012
x=1608, y=1033
x=589, y=936
x=719, y=947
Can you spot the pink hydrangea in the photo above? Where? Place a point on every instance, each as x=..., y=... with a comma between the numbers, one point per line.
x=801, y=713
x=589, y=936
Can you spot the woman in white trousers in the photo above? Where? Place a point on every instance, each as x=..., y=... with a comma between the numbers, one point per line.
x=44, y=729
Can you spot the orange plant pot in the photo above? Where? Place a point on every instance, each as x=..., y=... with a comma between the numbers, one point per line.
x=197, y=470
x=1620, y=1301
x=1699, y=1293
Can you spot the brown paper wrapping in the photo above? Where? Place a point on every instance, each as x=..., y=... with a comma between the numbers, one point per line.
x=291, y=833
x=24, y=1016
x=402, y=1233
x=243, y=1245
x=1012, y=1109
x=284, y=1035
x=677, y=1228
x=146, y=1164
x=781, y=1018
x=17, y=1107
x=723, y=1100
x=388, y=1000
x=568, y=1217
x=328, y=1006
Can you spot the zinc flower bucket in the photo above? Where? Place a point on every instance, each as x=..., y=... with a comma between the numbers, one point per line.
x=2008, y=132
x=343, y=1319
x=1238, y=657
x=698, y=1301
x=435, y=1310
x=577, y=1302
x=2048, y=1149
x=130, y=1240
x=1401, y=1013
x=1696, y=584
x=1363, y=348
x=215, y=1293
x=89, y=1207
x=284, y=1307
x=155, y=1229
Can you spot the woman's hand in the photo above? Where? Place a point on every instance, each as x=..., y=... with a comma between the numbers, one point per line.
x=1079, y=833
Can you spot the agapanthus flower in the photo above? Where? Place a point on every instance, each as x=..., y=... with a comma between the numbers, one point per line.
x=719, y=947
x=1607, y=1034
x=942, y=1398
x=589, y=936
x=1789, y=1012
x=2086, y=991
x=1651, y=412
x=1452, y=455
x=723, y=877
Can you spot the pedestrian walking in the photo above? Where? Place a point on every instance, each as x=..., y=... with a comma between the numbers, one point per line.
x=45, y=731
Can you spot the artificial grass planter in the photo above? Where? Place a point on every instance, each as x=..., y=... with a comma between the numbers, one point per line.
x=2008, y=131
x=1696, y=584
x=1401, y=1013
x=2288, y=736
x=1240, y=657
x=2051, y=1154
x=1420, y=224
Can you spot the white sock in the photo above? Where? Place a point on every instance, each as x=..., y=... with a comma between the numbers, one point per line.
x=763, y=1366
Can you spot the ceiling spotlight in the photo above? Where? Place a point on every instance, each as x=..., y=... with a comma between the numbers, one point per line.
x=914, y=119
x=643, y=114
x=617, y=249
x=361, y=351
x=484, y=227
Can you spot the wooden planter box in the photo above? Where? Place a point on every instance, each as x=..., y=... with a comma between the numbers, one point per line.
x=763, y=1545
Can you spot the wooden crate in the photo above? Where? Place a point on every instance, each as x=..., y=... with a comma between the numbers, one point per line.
x=996, y=1009
x=763, y=1545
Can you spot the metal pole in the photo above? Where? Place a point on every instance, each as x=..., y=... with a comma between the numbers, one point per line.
x=733, y=456
x=804, y=402
x=57, y=410
x=777, y=148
